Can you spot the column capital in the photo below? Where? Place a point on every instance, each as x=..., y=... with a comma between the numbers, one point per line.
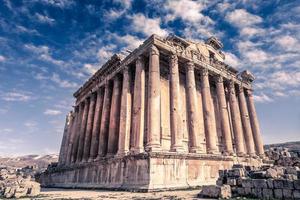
x=204, y=72
x=173, y=57
x=240, y=88
x=249, y=92
x=219, y=78
x=190, y=65
x=153, y=50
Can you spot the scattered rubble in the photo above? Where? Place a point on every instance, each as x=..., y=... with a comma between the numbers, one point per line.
x=266, y=182
x=15, y=184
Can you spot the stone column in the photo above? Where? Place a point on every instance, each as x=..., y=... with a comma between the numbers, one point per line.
x=255, y=125
x=104, y=126
x=82, y=131
x=138, y=114
x=61, y=157
x=68, y=138
x=225, y=124
x=96, y=125
x=125, y=115
x=77, y=132
x=193, y=115
x=153, y=125
x=236, y=121
x=113, y=136
x=175, y=102
x=246, y=123
x=89, y=129
x=72, y=135
x=209, y=120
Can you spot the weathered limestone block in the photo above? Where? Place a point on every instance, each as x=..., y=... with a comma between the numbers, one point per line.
x=287, y=193
x=271, y=173
x=212, y=191
x=256, y=192
x=296, y=194
x=270, y=183
x=278, y=184
x=231, y=181
x=248, y=191
x=241, y=191
x=278, y=193
x=247, y=183
x=288, y=184
x=259, y=183
x=267, y=193
x=297, y=184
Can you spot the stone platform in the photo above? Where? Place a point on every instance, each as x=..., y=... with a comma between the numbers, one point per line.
x=144, y=172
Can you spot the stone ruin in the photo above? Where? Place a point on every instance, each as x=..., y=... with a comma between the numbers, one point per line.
x=16, y=184
x=278, y=178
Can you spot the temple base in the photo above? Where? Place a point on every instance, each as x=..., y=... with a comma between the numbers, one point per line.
x=144, y=172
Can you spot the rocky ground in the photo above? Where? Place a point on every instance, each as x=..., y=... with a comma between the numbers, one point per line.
x=48, y=193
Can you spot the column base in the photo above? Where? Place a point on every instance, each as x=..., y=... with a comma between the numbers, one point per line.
x=153, y=148
x=137, y=150
x=240, y=154
x=195, y=150
x=122, y=153
x=177, y=149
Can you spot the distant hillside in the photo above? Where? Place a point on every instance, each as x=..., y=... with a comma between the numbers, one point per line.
x=292, y=146
x=29, y=160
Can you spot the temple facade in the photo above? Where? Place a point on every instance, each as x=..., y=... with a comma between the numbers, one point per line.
x=168, y=115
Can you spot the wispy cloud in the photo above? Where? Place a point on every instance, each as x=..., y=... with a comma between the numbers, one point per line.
x=52, y=112
x=16, y=96
x=44, y=19
x=2, y=58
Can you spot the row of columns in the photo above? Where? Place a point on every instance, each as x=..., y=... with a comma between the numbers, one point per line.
x=111, y=121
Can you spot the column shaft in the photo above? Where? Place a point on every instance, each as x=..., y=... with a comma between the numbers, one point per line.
x=225, y=124
x=63, y=142
x=153, y=125
x=68, y=138
x=255, y=125
x=175, y=102
x=113, y=136
x=138, y=115
x=77, y=133
x=96, y=125
x=104, y=126
x=72, y=135
x=246, y=123
x=89, y=129
x=125, y=115
x=209, y=120
x=82, y=131
x=193, y=115
x=236, y=121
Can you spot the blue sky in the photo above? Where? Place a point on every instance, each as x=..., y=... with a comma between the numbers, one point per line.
x=48, y=48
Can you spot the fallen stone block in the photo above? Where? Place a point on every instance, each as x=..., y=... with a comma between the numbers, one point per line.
x=256, y=192
x=267, y=193
x=231, y=181
x=258, y=174
x=247, y=191
x=241, y=191
x=259, y=183
x=278, y=194
x=247, y=183
x=287, y=193
x=270, y=183
x=297, y=184
x=288, y=184
x=212, y=191
x=271, y=173
x=278, y=184
x=296, y=194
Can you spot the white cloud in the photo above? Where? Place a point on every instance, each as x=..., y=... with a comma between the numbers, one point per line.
x=187, y=10
x=6, y=130
x=16, y=96
x=252, y=31
x=105, y=52
x=63, y=83
x=30, y=124
x=58, y=3
x=262, y=98
x=52, y=112
x=256, y=56
x=232, y=60
x=44, y=19
x=147, y=26
x=89, y=68
x=287, y=42
x=241, y=18
x=2, y=58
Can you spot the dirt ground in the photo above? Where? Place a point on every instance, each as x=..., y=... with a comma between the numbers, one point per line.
x=48, y=193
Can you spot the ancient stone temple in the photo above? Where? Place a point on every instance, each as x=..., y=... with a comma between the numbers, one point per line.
x=168, y=115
